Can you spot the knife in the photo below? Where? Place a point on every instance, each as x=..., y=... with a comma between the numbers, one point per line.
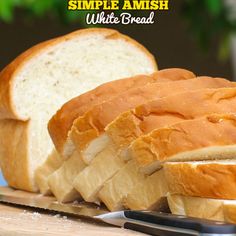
x=149, y=222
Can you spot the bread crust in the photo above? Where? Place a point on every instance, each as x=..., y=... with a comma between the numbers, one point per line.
x=182, y=141
x=61, y=123
x=169, y=110
x=14, y=141
x=91, y=125
x=206, y=208
x=7, y=75
x=198, y=179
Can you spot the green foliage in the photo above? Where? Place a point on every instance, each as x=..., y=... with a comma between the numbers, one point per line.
x=208, y=19
x=39, y=8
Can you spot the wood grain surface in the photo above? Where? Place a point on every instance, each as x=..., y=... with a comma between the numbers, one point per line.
x=23, y=221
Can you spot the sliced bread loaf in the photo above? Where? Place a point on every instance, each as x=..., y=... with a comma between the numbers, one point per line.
x=108, y=166
x=39, y=81
x=152, y=115
x=159, y=77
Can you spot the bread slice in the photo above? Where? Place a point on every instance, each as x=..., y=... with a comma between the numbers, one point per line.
x=207, y=179
x=90, y=180
x=160, y=77
x=166, y=111
x=152, y=115
x=88, y=131
x=149, y=194
x=61, y=123
x=60, y=181
x=184, y=142
x=53, y=162
x=39, y=81
x=206, y=208
x=115, y=190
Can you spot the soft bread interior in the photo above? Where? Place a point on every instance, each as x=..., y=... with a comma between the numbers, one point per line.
x=95, y=147
x=90, y=181
x=116, y=189
x=65, y=70
x=53, y=162
x=149, y=193
x=60, y=182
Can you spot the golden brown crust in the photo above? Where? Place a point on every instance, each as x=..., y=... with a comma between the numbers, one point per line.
x=7, y=76
x=206, y=208
x=92, y=124
x=199, y=179
x=169, y=110
x=184, y=140
x=14, y=142
x=61, y=122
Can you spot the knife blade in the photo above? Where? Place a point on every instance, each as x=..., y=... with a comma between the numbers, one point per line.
x=152, y=223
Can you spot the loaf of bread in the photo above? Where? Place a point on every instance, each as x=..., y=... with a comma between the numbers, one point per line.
x=102, y=92
x=206, y=208
x=183, y=142
x=108, y=166
x=207, y=179
x=158, y=113
x=35, y=85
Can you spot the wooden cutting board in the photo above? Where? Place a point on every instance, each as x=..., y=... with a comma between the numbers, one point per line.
x=18, y=221
x=25, y=221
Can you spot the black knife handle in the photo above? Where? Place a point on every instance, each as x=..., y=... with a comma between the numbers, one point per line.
x=164, y=224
